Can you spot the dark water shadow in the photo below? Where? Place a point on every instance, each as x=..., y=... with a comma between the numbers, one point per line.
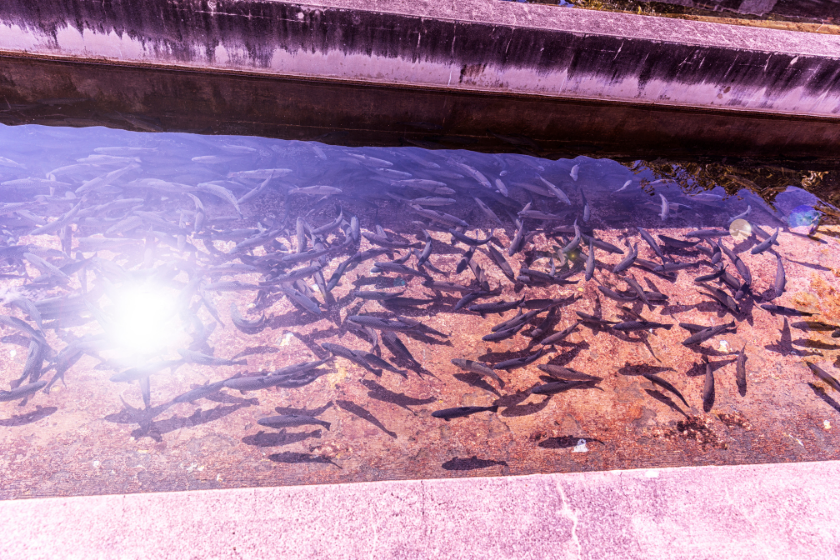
x=564, y=442
x=291, y=457
x=470, y=464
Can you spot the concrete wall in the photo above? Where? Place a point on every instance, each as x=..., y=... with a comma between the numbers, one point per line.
x=689, y=88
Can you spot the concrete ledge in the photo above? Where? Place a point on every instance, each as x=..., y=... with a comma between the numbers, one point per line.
x=765, y=511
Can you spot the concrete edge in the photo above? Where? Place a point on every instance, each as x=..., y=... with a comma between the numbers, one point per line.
x=749, y=511
x=614, y=24
x=473, y=46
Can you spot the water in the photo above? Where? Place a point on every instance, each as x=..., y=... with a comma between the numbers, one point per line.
x=161, y=274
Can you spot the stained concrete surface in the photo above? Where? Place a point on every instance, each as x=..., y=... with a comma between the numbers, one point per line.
x=779, y=511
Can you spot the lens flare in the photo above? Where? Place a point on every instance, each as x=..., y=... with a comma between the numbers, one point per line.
x=803, y=215
x=144, y=319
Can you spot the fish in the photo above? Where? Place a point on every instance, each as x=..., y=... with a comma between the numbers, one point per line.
x=192, y=357
x=615, y=295
x=708, y=388
x=399, y=269
x=640, y=326
x=468, y=240
x=487, y=211
x=496, y=306
x=22, y=392
x=441, y=217
x=743, y=270
x=566, y=374
x=559, y=336
x=518, y=239
x=291, y=421
x=741, y=371
x=315, y=190
x=779, y=285
x=723, y=298
x=590, y=262
x=199, y=392
x=824, y=376
x=707, y=233
x=575, y=242
x=664, y=208
x=627, y=261
x=766, y=244
x=461, y=411
x=677, y=243
x=709, y=277
x=383, y=324
x=479, y=368
x=652, y=243
x=141, y=372
x=500, y=261
x=592, y=320
x=559, y=387
x=241, y=322
x=519, y=362
x=781, y=310
x=503, y=334
x=664, y=384
x=555, y=190
x=705, y=334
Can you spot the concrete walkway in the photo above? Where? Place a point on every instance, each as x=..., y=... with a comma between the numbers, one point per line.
x=784, y=511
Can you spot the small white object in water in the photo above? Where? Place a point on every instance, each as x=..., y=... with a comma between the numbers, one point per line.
x=12, y=353
x=652, y=474
x=285, y=339
x=574, y=172
x=724, y=346
x=740, y=229
x=580, y=447
x=96, y=464
x=826, y=424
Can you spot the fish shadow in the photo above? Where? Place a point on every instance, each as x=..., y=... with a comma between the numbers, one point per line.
x=699, y=369
x=380, y=393
x=820, y=392
x=476, y=380
x=525, y=409
x=470, y=464
x=357, y=410
x=263, y=439
x=157, y=429
x=28, y=418
x=666, y=400
x=811, y=265
x=254, y=350
x=291, y=457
